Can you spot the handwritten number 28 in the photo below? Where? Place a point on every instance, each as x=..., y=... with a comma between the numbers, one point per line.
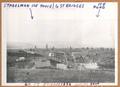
x=99, y=6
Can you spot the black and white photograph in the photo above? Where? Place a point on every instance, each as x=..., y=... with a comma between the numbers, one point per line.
x=59, y=43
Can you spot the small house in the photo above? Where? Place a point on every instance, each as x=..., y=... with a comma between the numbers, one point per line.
x=20, y=59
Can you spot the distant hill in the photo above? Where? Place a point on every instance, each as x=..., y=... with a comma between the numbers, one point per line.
x=19, y=45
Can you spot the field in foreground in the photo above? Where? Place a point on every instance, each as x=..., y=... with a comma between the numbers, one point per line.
x=53, y=75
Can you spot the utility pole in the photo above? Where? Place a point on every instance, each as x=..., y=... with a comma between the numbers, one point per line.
x=46, y=46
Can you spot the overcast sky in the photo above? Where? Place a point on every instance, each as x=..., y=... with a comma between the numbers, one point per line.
x=62, y=27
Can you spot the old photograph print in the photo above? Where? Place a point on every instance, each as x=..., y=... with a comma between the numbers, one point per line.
x=59, y=42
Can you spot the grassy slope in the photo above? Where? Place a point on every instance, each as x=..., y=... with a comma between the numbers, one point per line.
x=47, y=75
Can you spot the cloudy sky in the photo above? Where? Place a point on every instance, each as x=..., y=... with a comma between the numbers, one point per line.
x=62, y=27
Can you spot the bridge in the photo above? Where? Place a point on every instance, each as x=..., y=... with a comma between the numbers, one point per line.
x=57, y=57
